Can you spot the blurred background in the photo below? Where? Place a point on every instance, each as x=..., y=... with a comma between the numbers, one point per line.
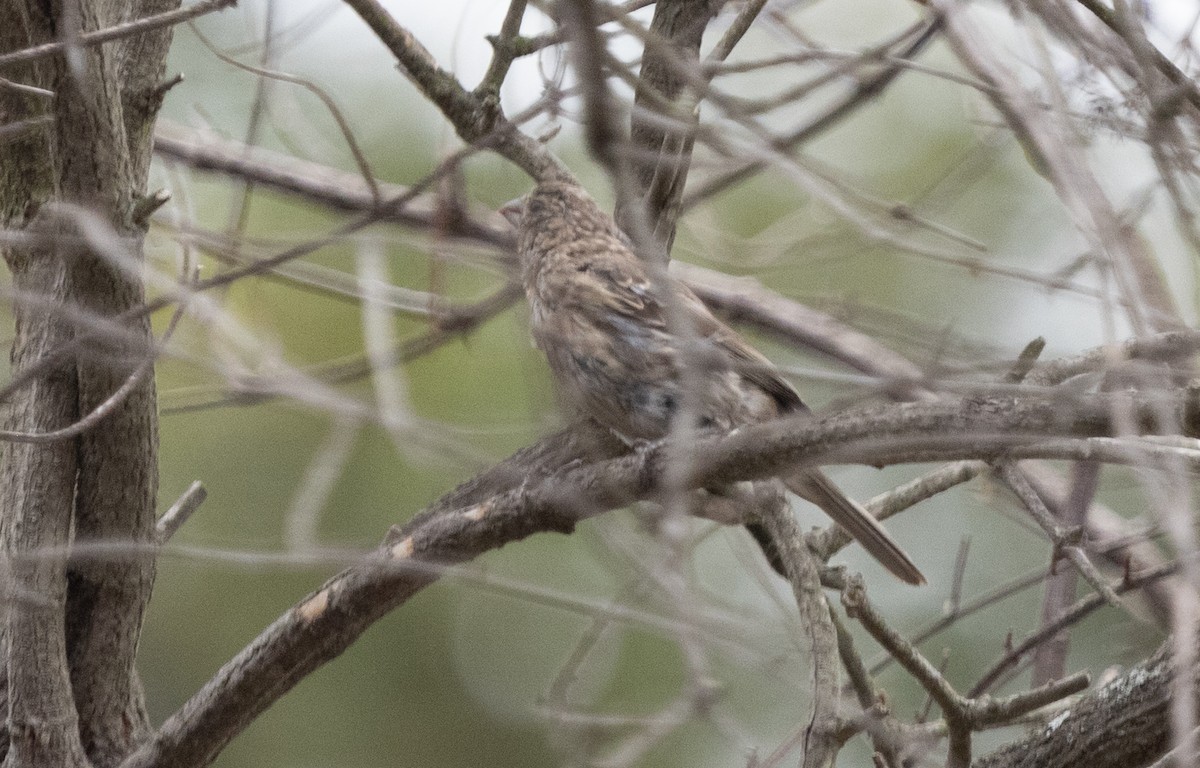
x=469, y=672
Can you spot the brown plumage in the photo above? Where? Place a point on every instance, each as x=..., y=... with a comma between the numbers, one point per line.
x=613, y=339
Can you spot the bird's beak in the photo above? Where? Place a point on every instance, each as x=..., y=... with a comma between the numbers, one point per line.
x=513, y=210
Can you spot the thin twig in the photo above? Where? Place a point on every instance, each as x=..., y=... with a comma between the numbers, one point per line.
x=331, y=106
x=962, y=714
x=179, y=512
x=1068, y=618
x=1064, y=541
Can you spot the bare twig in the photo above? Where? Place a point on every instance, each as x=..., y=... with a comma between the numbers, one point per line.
x=669, y=62
x=178, y=513
x=476, y=119
x=331, y=106
x=963, y=715
x=1050, y=659
x=1066, y=619
x=868, y=87
x=1065, y=541
x=314, y=182
x=504, y=50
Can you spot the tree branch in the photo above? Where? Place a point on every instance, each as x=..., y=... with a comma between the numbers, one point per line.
x=661, y=144
x=1123, y=724
x=541, y=495
x=476, y=118
x=822, y=736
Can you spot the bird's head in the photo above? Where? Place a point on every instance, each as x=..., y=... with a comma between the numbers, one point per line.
x=558, y=207
x=559, y=223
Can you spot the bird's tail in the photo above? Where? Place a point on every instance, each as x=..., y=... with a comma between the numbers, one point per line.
x=813, y=486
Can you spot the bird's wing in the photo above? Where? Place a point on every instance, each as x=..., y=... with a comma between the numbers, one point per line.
x=612, y=288
x=607, y=283
x=743, y=358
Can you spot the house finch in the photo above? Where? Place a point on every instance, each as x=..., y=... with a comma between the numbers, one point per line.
x=619, y=342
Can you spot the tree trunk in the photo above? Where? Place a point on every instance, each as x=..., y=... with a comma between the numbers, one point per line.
x=71, y=180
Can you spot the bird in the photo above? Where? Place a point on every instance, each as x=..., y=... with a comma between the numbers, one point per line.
x=619, y=338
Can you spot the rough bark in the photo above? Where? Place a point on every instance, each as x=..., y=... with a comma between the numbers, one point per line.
x=1125, y=724
x=75, y=176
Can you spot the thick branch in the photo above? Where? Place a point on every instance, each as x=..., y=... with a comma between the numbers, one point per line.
x=471, y=521
x=1123, y=724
